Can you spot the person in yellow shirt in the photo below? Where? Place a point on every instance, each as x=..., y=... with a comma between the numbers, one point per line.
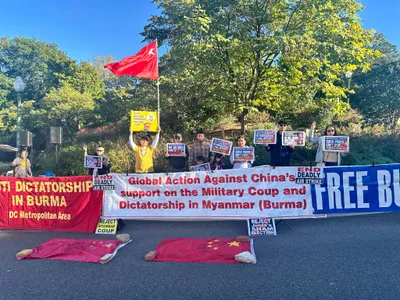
x=144, y=153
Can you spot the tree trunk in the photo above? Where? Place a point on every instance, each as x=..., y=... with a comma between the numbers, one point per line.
x=242, y=121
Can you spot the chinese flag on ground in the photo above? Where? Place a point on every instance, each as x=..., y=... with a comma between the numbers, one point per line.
x=215, y=250
x=143, y=65
x=74, y=249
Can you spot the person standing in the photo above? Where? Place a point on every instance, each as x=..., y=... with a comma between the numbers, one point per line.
x=106, y=161
x=280, y=155
x=200, y=148
x=241, y=142
x=324, y=157
x=22, y=165
x=177, y=163
x=144, y=153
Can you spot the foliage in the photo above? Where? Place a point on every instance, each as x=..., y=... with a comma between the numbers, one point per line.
x=246, y=55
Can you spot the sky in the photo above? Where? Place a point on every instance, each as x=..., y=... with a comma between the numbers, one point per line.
x=85, y=28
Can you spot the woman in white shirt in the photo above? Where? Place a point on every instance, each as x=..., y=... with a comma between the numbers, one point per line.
x=241, y=142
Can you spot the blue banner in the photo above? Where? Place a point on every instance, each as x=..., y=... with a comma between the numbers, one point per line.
x=358, y=189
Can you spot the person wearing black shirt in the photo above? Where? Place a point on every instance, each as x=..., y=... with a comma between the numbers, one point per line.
x=177, y=163
x=280, y=155
x=106, y=161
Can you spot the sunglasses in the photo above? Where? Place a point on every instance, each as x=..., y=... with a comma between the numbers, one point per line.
x=282, y=125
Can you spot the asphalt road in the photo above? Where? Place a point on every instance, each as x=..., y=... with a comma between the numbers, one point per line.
x=354, y=257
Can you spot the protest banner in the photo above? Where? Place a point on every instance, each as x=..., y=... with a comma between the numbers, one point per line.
x=55, y=203
x=240, y=193
x=93, y=162
x=176, y=149
x=336, y=143
x=261, y=226
x=262, y=137
x=221, y=146
x=290, y=138
x=202, y=167
x=358, y=189
x=243, y=154
x=144, y=121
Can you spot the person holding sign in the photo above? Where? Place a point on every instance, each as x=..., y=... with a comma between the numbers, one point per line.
x=219, y=162
x=280, y=155
x=237, y=164
x=22, y=165
x=144, y=153
x=177, y=163
x=200, y=148
x=324, y=157
x=106, y=161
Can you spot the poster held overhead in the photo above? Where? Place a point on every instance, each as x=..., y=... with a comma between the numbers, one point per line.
x=146, y=121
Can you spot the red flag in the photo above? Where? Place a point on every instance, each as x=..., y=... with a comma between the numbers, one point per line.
x=215, y=250
x=144, y=64
x=74, y=249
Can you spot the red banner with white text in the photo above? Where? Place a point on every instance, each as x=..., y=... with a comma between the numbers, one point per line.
x=49, y=203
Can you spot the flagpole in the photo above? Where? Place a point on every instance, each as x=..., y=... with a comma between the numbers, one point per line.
x=158, y=88
x=158, y=100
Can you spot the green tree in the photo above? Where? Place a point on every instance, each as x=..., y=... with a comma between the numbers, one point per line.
x=260, y=54
x=67, y=107
x=38, y=63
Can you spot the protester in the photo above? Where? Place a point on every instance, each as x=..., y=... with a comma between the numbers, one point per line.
x=22, y=165
x=144, y=152
x=280, y=155
x=241, y=142
x=106, y=161
x=324, y=157
x=177, y=163
x=218, y=163
x=200, y=148
x=200, y=160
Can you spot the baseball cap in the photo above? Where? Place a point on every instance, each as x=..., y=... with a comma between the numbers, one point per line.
x=282, y=122
x=178, y=135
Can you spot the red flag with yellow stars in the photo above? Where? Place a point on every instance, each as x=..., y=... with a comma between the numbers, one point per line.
x=74, y=249
x=215, y=250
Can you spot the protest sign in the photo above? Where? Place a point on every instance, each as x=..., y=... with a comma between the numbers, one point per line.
x=243, y=154
x=93, y=162
x=202, y=167
x=221, y=146
x=261, y=226
x=144, y=121
x=297, y=138
x=107, y=226
x=309, y=175
x=336, y=144
x=262, y=137
x=176, y=149
x=103, y=182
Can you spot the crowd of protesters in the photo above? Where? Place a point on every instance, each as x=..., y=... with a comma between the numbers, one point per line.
x=199, y=153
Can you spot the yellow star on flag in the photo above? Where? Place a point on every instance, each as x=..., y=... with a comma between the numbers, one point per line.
x=215, y=248
x=209, y=246
x=216, y=240
x=209, y=243
x=234, y=243
x=108, y=245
